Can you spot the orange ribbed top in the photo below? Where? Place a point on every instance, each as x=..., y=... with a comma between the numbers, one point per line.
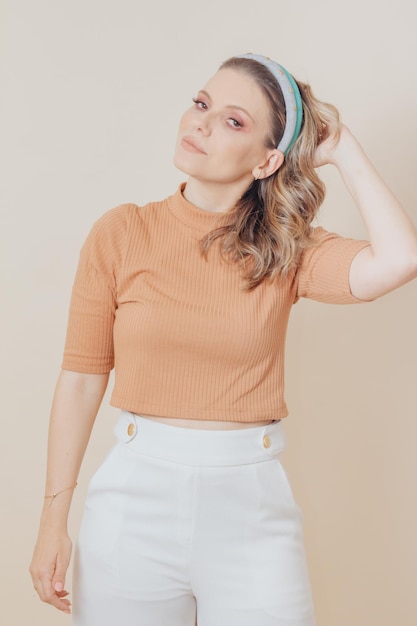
x=184, y=337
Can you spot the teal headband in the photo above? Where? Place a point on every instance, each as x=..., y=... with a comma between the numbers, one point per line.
x=292, y=99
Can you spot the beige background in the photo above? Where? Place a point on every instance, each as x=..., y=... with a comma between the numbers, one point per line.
x=91, y=94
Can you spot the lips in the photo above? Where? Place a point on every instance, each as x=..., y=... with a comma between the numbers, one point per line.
x=190, y=144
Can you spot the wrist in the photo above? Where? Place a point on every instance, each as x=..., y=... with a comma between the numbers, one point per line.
x=55, y=523
x=347, y=149
x=55, y=510
x=54, y=494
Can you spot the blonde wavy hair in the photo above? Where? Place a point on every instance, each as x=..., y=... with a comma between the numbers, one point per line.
x=270, y=225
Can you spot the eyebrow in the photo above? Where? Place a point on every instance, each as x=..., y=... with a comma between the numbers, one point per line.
x=229, y=106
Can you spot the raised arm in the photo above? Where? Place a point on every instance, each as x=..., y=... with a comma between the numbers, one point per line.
x=391, y=260
x=75, y=405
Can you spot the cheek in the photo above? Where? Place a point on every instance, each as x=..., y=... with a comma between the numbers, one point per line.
x=237, y=150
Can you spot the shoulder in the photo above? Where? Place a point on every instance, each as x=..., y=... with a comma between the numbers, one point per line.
x=124, y=215
x=110, y=233
x=114, y=224
x=105, y=241
x=319, y=235
x=331, y=244
x=116, y=218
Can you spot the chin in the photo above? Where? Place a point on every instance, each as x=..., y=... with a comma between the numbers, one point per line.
x=182, y=165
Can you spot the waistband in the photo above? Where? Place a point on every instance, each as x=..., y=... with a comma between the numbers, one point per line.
x=192, y=446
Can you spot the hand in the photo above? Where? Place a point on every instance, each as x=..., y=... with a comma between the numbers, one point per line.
x=333, y=137
x=49, y=565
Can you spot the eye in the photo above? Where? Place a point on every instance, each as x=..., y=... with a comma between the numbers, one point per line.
x=234, y=123
x=200, y=104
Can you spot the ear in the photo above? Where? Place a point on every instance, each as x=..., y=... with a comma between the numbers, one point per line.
x=270, y=166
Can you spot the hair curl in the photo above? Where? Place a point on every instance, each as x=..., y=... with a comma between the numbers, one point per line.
x=271, y=223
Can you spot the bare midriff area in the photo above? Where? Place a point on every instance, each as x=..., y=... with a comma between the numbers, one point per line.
x=206, y=424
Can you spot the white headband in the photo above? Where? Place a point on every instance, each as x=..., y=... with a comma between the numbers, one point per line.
x=292, y=99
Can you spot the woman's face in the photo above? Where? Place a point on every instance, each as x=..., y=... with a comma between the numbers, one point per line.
x=222, y=136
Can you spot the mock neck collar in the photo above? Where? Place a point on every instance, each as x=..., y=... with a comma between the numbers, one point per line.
x=192, y=216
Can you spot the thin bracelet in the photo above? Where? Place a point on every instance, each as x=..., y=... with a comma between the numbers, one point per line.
x=54, y=495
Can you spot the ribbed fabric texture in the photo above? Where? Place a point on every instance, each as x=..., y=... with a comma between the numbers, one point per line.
x=184, y=337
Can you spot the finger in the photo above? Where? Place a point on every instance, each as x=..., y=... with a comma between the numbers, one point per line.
x=55, y=599
x=48, y=594
x=43, y=583
x=58, y=584
x=58, y=580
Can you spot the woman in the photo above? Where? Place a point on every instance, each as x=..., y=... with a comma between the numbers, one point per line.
x=188, y=298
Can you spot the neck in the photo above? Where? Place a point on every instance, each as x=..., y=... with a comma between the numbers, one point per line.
x=214, y=197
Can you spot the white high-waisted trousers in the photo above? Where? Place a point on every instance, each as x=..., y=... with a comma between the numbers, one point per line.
x=182, y=522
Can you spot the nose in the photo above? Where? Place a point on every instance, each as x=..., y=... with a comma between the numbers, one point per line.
x=203, y=124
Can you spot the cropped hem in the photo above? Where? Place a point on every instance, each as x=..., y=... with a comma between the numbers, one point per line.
x=225, y=415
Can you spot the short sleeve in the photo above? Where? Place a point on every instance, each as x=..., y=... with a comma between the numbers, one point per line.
x=89, y=338
x=323, y=272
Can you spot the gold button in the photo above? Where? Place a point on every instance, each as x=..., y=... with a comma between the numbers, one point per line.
x=267, y=441
x=131, y=430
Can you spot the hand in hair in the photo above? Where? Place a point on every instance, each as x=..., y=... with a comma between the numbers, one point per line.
x=329, y=143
